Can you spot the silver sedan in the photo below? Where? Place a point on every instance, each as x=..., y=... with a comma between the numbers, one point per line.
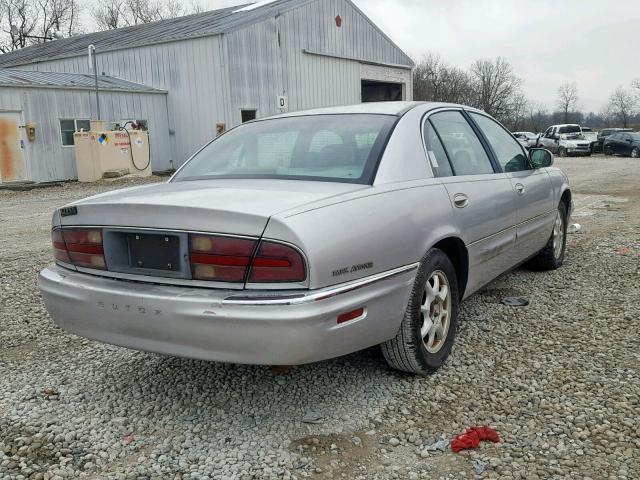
x=311, y=235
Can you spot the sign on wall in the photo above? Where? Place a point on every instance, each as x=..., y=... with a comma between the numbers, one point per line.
x=282, y=103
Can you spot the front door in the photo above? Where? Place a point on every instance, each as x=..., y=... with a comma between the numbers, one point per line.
x=535, y=211
x=12, y=143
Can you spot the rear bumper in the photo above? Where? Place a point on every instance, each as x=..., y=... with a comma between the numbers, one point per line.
x=205, y=324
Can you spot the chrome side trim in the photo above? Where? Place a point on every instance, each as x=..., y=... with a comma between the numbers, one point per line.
x=316, y=295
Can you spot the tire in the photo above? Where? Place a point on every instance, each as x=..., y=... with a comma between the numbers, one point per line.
x=635, y=153
x=562, y=152
x=408, y=351
x=606, y=151
x=551, y=256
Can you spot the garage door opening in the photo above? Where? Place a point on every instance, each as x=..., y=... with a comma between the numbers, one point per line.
x=381, y=91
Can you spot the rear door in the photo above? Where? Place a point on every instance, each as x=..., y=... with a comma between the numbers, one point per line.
x=613, y=143
x=626, y=144
x=12, y=144
x=482, y=200
x=533, y=189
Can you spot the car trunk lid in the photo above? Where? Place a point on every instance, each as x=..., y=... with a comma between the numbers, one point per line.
x=238, y=207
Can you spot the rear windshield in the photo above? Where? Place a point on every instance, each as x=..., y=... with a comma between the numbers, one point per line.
x=339, y=148
x=569, y=129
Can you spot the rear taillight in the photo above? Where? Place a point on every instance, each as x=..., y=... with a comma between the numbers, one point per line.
x=229, y=259
x=276, y=262
x=81, y=247
x=220, y=259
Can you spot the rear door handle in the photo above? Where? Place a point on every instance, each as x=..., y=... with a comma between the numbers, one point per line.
x=520, y=189
x=460, y=200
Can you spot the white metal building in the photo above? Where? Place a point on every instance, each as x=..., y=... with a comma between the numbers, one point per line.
x=218, y=67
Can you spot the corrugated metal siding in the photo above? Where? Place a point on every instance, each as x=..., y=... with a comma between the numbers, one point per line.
x=191, y=71
x=47, y=159
x=210, y=79
x=260, y=69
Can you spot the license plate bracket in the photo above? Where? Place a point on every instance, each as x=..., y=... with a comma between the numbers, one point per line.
x=154, y=251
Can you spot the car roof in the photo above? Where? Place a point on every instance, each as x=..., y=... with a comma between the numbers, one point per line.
x=379, y=108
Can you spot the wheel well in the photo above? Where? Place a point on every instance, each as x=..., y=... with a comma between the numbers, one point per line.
x=456, y=250
x=566, y=199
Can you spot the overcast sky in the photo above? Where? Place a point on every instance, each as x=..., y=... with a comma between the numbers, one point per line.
x=592, y=42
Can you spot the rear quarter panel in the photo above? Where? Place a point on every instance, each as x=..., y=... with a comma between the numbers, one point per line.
x=369, y=232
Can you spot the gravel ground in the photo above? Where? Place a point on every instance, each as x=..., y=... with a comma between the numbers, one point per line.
x=558, y=379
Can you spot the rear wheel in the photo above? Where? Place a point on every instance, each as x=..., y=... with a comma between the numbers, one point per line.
x=635, y=153
x=428, y=328
x=552, y=255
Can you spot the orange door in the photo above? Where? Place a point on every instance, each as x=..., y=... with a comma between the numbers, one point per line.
x=12, y=164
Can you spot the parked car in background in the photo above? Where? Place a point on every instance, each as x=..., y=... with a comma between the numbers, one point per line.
x=305, y=236
x=528, y=139
x=622, y=143
x=589, y=135
x=565, y=140
x=604, y=133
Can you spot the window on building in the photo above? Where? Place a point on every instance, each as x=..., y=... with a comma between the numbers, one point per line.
x=248, y=115
x=69, y=126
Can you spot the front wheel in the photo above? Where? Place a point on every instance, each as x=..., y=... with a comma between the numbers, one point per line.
x=562, y=152
x=635, y=153
x=606, y=151
x=552, y=255
x=428, y=328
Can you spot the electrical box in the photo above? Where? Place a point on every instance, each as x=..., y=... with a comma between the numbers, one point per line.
x=99, y=151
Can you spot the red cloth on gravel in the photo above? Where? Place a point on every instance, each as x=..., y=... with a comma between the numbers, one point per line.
x=472, y=437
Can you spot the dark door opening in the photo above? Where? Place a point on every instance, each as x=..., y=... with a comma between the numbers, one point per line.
x=381, y=91
x=248, y=115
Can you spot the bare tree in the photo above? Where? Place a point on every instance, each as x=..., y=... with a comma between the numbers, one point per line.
x=495, y=86
x=57, y=16
x=19, y=22
x=110, y=15
x=568, y=99
x=119, y=13
x=636, y=83
x=434, y=80
x=622, y=105
x=538, y=117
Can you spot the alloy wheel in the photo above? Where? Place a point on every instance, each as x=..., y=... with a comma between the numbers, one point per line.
x=558, y=235
x=635, y=153
x=435, y=311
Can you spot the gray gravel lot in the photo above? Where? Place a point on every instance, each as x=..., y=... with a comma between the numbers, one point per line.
x=559, y=379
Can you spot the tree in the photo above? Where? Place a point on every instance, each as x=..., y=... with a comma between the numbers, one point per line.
x=19, y=22
x=495, y=87
x=26, y=22
x=538, y=117
x=568, y=99
x=622, y=105
x=120, y=13
x=436, y=81
x=110, y=15
x=57, y=16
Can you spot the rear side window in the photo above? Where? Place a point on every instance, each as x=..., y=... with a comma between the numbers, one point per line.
x=507, y=150
x=435, y=151
x=466, y=153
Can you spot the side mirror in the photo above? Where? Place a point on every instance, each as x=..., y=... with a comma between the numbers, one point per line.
x=540, y=157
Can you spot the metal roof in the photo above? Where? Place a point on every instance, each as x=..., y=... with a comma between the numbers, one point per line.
x=197, y=25
x=10, y=77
